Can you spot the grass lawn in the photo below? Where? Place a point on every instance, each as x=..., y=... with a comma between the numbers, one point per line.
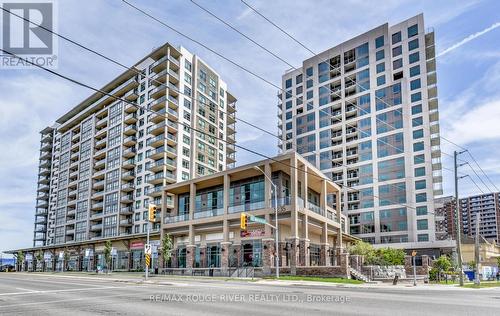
x=317, y=279
x=483, y=284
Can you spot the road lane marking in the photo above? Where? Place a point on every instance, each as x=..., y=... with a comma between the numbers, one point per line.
x=66, y=290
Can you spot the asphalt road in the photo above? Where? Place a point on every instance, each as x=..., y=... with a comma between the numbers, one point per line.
x=42, y=294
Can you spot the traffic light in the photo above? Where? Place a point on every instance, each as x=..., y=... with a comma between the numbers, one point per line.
x=152, y=212
x=243, y=221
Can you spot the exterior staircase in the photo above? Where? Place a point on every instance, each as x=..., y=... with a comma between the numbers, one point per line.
x=356, y=274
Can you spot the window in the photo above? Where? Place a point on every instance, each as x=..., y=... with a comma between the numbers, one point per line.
x=380, y=67
x=422, y=224
x=417, y=121
x=413, y=58
x=415, y=84
x=413, y=44
x=309, y=72
x=310, y=94
x=418, y=159
x=288, y=83
x=412, y=30
x=418, y=134
x=421, y=197
x=420, y=184
x=420, y=172
x=416, y=109
x=396, y=51
x=379, y=41
x=398, y=63
x=396, y=38
x=423, y=237
x=421, y=210
x=416, y=97
x=381, y=80
x=415, y=71
x=379, y=55
x=298, y=79
x=391, y=169
x=309, y=83
x=391, y=194
x=418, y=146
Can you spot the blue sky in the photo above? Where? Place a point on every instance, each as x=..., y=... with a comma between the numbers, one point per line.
x=468, y=75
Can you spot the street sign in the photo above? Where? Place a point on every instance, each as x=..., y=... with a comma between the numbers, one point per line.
x=257, y=219
x=147, y=249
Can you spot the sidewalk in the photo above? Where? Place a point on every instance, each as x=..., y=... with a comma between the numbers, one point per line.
x=133, y=277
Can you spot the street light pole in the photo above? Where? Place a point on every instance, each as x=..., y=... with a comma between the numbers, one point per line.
x=276, y=242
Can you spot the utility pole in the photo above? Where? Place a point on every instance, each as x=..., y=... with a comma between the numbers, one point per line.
x=477, y=280
x=458, y=219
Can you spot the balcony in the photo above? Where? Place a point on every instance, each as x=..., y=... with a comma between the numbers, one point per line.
x=130, y=118
x=246, y=207
x=128, y=175
x=176, y=219
x=171, y=152
x=96, y=227
x=157, y=153
x=129, y=152
x=129, y=163
x=43, y=188
x=157, y=129
x=97, y=206
x=127, y=210
x=44, y=171
x=159, y=65
x=130, y=108
x=130, y=130
x=101, y=123
x=127, y=198
x=158, y=92
x=171, y=139
x=158, y=104
x=210, y=213
x=100, y=164
x=315, y=208
x=99, y=174
x=100, y=153
x=126, y=222
x=128, y=187
x=98, y=184
x=156, y=141
x=131, y=95
x=158, y=178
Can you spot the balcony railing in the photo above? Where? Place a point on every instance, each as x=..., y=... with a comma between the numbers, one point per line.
x=210, y=213
x=175, y=219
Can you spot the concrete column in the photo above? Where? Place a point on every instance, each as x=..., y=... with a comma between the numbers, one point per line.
x=227, y=186
x=225, y=230
x=305, y=227
x=267, y=228
x=192, y=199
x=268, y=254
x=323, y=197
x=293, y=253
x=344, y=264
x=338, y=206
x=324, y=255
x=305, y=184
x=225, y=257
x=190, y=254
x=191, y=234
x=268, y=188
x=293, y=197
x=304, y=253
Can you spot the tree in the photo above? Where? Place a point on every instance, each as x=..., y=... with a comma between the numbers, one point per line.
x=66, y=259
x=166, y=248
x=498, y=262
x=442, y=264
x=107, y=254
x=39, y=258
x=472, y=265
x=20, y=260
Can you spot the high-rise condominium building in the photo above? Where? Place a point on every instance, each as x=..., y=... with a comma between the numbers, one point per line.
x=365, y=112
x=102, y=162
x=488, y=207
